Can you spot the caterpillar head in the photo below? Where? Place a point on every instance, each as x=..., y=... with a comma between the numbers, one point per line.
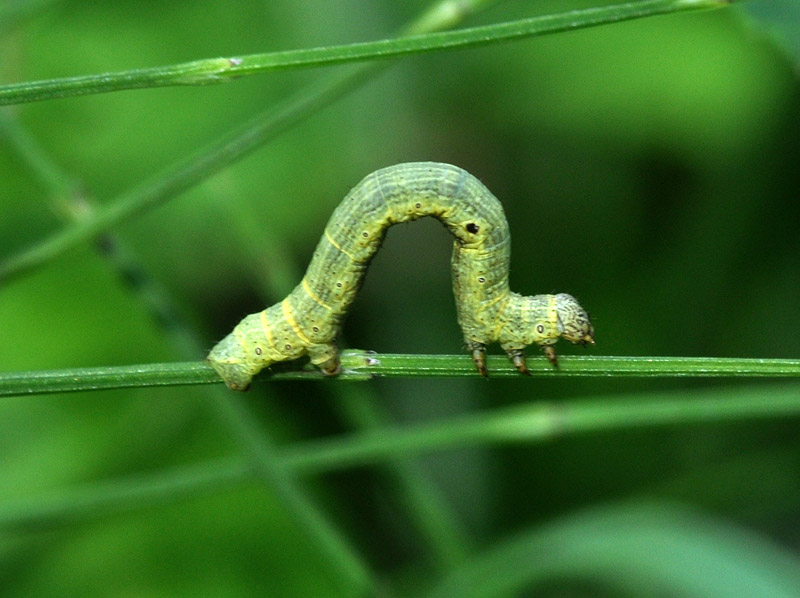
x=542, y=319
x=572, y=320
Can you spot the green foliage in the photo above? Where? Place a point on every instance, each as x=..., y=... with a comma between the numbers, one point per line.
x=648, y=167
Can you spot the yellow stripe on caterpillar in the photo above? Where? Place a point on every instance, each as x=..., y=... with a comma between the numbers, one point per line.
x=339, y=247
x=313, y=295
x=289, y=316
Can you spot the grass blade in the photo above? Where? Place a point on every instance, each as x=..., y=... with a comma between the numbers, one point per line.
x=218, y=70
x=364, y=365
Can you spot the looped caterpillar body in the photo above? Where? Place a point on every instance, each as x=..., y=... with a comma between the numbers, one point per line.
x=308, y=321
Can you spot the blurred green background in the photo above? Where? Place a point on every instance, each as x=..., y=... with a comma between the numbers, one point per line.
x=650, y=168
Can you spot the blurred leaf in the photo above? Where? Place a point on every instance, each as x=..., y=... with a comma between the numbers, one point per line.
x=636, y=550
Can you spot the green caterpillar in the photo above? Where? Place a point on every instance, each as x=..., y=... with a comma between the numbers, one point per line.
x=308, y=321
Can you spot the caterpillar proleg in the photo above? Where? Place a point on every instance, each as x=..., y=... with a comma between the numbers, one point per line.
x=308, y=321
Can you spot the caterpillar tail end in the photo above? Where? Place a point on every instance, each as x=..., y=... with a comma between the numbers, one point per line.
x=228, y=359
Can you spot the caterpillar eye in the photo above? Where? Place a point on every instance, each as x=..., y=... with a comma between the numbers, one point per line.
x=472, y=228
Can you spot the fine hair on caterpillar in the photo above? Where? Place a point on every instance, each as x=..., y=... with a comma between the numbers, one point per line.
x=308, y=321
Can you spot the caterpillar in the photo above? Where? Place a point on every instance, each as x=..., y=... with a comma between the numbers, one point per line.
x=308, y=321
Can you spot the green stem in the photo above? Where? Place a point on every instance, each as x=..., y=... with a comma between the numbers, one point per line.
x=402, y=365
x=544, y=421
x=364, y=365
x=521, y=424
x=217, y=70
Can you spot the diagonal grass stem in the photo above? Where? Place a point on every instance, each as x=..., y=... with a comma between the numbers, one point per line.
x=217, y=70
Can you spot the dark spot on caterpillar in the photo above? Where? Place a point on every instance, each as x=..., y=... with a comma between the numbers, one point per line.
x=418, y=205
x=481, y=279
x=540, y=329
x=288, y=347
x=473, y=228
x=315, y=328
x=339, y=285
x=365, y=234
x=258, y=350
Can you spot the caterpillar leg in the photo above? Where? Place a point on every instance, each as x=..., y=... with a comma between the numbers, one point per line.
x=326, y=358
x=237, y=376
x=517, y=357
x=550, y=353
x=479, y=357
x=331, y=367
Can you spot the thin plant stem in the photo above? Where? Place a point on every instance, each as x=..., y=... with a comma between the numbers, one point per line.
x=218, y=70
x=365, y=365
x=544, y=421
x=533, y=423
